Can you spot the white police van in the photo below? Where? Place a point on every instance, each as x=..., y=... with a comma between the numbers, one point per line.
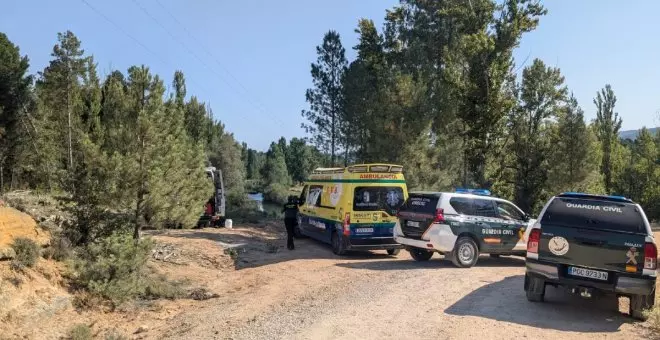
x=461, y=225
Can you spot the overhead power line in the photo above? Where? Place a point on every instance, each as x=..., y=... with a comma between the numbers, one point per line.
x=206, y=50
x=191, y=52
x=211, y=55
x=118, y=27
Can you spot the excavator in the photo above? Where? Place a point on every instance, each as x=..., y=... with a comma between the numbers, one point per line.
x=214, y=212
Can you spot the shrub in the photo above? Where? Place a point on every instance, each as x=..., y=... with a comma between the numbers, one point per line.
x=654, y=320
x=27, y=252
x=115, y=335
x=80, y=332
x=276, y=193
x=158, y=286
x=113, y=267
x=60, y=248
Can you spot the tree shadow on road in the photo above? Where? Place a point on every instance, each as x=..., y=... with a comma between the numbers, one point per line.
x=394, y=264
x=505, y=301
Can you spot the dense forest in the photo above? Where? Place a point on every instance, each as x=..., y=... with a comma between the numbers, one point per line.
x=437, y=89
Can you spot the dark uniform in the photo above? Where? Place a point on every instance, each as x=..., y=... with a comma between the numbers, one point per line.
x=290, y=211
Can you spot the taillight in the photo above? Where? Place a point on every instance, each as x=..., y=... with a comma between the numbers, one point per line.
x=650, y=256
x=439, y=215
x=533, y=241
x=347, y=224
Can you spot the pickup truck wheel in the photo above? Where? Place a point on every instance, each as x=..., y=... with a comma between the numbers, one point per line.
x=393, y=252
x=639, y=304
x=420, y=254
x=534, y=288
x=465, y=253
x=338, y=246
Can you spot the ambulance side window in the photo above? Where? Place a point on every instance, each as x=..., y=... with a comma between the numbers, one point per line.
x=508, y=212
x=314, y=197
x=484, y=208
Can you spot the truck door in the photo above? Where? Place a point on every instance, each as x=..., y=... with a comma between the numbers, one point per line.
x=488, y=225
x=513, y=224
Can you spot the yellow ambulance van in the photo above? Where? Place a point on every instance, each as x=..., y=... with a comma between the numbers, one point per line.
x=353, y=208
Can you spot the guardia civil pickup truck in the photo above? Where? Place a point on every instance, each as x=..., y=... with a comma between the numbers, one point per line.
x=592, y=243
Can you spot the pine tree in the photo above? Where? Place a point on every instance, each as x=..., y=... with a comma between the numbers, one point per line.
x=299, y=160
x=541, y=95
x=325, y=99
x=608, y=124
x=575, y=153
x=275, y=175
x=59, y=90
x=15, y=100
x=483, y=93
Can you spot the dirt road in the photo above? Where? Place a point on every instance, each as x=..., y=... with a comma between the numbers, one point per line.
x=311, y=294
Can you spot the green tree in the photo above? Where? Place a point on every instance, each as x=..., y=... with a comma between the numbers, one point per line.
x=15, y=99
x=300, y=160
x=225, y=153
x=639, y=178
x=484, y=92
x=275, y=175
x=59, y=90
x=324, y=114
x=608, y=124
x=575, y=153
x=541, y=95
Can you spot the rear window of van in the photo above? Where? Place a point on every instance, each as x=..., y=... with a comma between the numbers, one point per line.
x=594, y=214
x=422, y=204
x=387, y=199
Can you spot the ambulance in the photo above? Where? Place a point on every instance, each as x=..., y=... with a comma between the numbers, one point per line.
x=353, y=208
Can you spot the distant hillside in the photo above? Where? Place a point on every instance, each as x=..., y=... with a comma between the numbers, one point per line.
x=632, y=134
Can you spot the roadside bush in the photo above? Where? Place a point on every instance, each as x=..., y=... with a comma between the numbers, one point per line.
x=60, y=248
x=80, y=332
x=654, y=320
x=158, y=286
x=113, y=267
x=27, y=252
x=276, y=193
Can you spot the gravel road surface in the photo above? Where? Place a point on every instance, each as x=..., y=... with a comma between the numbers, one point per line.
x=311, y=294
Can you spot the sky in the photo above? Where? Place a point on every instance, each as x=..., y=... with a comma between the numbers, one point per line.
x=251, y=59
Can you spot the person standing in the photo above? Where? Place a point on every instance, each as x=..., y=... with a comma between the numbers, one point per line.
x=290, y=211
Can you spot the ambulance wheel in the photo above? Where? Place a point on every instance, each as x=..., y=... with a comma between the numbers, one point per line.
x=639, y=304
x=338, y=245
x=420, y=254
x=534, y=288
x=393, y=252
x=465, y=253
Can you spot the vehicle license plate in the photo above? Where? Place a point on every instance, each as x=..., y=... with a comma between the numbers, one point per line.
x=592, y=274
x=364, y=230
x=413, y=224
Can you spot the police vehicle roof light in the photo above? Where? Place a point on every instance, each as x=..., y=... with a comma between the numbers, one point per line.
x=582, y=194
x=482, y=192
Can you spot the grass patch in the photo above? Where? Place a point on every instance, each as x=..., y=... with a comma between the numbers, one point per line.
x=159, y=287
x=653, y=320
x=80, y=332
x=27, y=252
x=115, y=335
